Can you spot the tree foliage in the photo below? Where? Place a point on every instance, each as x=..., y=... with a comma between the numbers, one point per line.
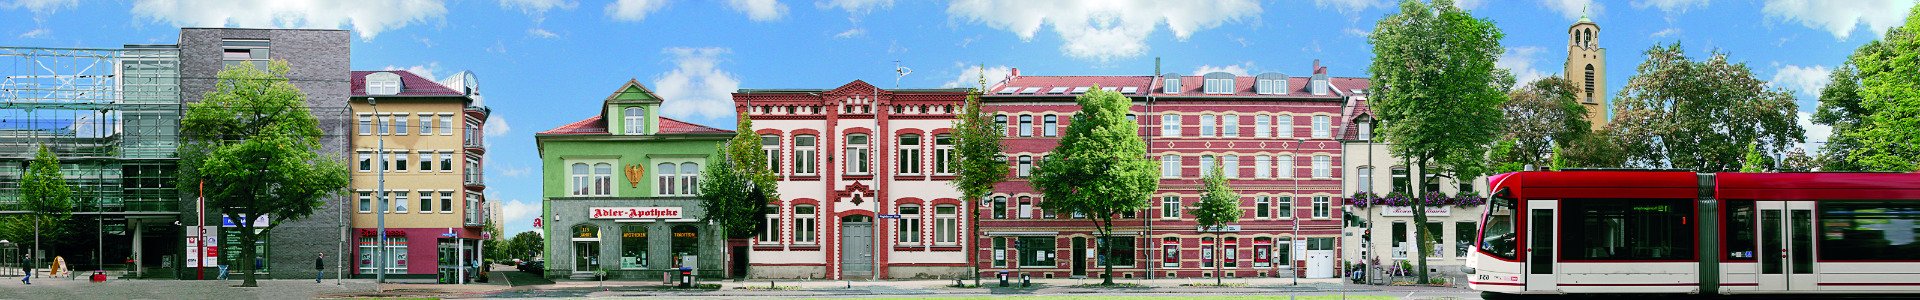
x=1797, y=161
x=44, y=193
x=1840, y=109
x=1754, y=161
x=1437, y=91
x=976, y=164
x=256, y=147
x=1100, y=168
x=1542, y=115
x=736, y=186
x=1595, y=150
x=525, y=245
x=1219, y=206
x=1889, y=136
x=1700, y=115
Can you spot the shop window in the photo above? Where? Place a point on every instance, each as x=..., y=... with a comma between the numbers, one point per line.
x=1262, y=252
x=1036, y=251
x=1119, y=251
x=1170, y=252
x=1231, y=248
x=686, y=241
x=633, y=247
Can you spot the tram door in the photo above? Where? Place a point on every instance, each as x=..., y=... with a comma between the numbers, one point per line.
x=1786, y=246
x=1540, y=245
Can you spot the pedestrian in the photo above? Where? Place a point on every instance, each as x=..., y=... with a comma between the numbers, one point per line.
x=26, y=265
x=319, y=267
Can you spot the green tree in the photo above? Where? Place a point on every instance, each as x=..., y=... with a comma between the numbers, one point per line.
x=976, y=164
x=1557, y=162
x=1890, y=136
x=45, y=193
x=525, y=245
x=1595, y=150
x=1502, y=157
x=1437, y=91
x=1797, y=161
x=1100, y=168
x=1754, y=161
x=1219, y=206
x=255, y=145
x=1542, y=114
x=1700, y=115
x=1840, y=108
x=736, y=187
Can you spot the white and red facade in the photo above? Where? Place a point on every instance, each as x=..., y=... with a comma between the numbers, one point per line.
x=863, y=183
x=1275, y=135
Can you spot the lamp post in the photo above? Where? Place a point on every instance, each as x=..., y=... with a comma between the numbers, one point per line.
x=380, y=192
x=1293, y=268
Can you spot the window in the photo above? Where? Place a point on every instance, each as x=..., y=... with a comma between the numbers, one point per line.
x=1434, y=238
x=1119, y=251
x=1285, y=164
x=1462, y=238
x=446, y=202
x=1026, y=166
x=1230, y=246
x=1262, y=207
x=1321, y=125
x=1230, y=125
x=400, y=161
x=1283, y=207
x=1170, y=252
x=999, y=252
x=366, y=161
x=385, y=124
x=1739, y=226
x=1231, y=165
x=1262, y=126
x=1170, y=207
x=1364, y=183
x=1322, y=166
x=1262, y=166
x=1000, y=121
x=1366, y=131
x=1219, y=85
x=909, y=224
x=1000, y=207
x=1262, y=252
x=1283, y=126
x=857, y=155
x=946, y=224
x=689, y=179
x=1026, y=207
x=1400, y=239
x=634, y=119
x=770, y=146
x=395, y=259
x=426, y=161
x=400, y=201
x=664, y=178
x=1206, y=252
x=366, y=124
x=943, y=154
x=1206, y=125
x=1497, y=239
x=581, y=178
x=249, y=53
x=446, y=161
x=366, y=202
x=1627, y=229
x=1026, y=125
x=909, y=158
x=1400, y=180
x=803, y=155
x=446, y=124
x=1169, y=125
x=770, y=225
x=426, y=201
x=400, y=124
x=803, y=224
x=1035, y=251
x=633, y=246
x=1169, y=166
x=1050, y=125
x=426, y=123
x=1862, y=230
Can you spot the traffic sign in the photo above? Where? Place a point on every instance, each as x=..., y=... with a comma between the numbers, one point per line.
x=890, y=216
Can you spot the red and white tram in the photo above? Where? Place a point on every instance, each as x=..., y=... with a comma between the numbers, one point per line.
x=1575, y=232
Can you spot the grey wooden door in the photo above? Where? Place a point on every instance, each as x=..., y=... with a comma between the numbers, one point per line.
x=856, y=250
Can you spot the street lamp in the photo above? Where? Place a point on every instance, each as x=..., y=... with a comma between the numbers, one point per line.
x=380, y=192
x=1293, y=268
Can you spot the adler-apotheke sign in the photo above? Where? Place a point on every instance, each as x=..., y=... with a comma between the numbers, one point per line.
x=634, y=213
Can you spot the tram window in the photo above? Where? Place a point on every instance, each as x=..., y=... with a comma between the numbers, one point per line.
x=1739, y=227
x=1869, y=230
x=1497, y=238
x=1626, y=229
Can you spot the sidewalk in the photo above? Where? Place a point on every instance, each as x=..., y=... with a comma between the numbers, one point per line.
x=930, y=288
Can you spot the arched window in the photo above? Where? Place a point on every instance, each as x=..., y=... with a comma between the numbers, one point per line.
x=770, y=144
x=581, y=179
x=635, y=120
x=1589, y=83
x=857, y=163
x=1050, y=125
x=689, y=178
x=946, y=224
x=909, y=159
x=664, y=174
x=602, y=179
x=586, y=231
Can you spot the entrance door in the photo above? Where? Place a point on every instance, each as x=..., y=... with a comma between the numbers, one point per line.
x=1079, y=257
x=586, y=256
x=1786, y=246
x=856, y=247
x=1540, y=246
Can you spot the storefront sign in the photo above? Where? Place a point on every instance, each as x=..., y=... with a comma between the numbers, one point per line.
x=1221, y=228
x=390, y=232
x=1407, y=211
x=634, y=213
x=258, y=222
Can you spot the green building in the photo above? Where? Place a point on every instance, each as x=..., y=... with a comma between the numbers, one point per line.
x=620, y=192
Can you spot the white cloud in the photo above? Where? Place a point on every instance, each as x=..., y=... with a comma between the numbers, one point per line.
x=1104, y=30
x=857, y=6
x=759, y=10
x=368, y=17
x=536, y=7
x=1236, y=70
x=1349, y=6
x=634, y=10
x=41, y=7
x=1807, y=81
x=851, y=33
x=696, y=86
x=541, y=33
x=1357, y=32
x=1841, y=17
x=1670, y=31
x=1573, y=9
x=516, y=211
x=1670, y=6
x=970, y=76
x=1519, y=61
x=512, y=171
x=1817, y=134
x=35, y=33
x=1469, y=4
x=497, y=126
x=426, y=70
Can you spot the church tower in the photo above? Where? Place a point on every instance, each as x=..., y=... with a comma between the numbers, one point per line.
x=1587, y=67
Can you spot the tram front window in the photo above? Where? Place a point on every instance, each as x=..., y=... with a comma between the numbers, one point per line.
x=1497, y=237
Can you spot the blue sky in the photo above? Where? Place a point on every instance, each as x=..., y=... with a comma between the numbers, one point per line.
x=544, y=63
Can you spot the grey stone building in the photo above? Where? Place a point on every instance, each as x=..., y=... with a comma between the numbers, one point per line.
x=319, y=61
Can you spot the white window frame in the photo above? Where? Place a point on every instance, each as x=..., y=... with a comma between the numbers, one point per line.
x=1230, y=125
x=772, y=152
x=1230, y=164
x=1170, y=166
x=426, y=202
x=806, y=227
x=1169, y=125
x=426, y=123
x=1262, y=207
x=908, y=226
x=805, y=157
x=1322, y=207
x=366, y=124
x=400, y=123
x=1263, y=166
x=588, y=178
x=365, y=164
x=1283, y=207
x=946, y=225
x=399, y=200
x=632, y=123
x=908, y=160
x=446, y=124
x=1206, y=165
x=1365, y=132
x=1285, y=165
x=1262, y=126
x=1322, y=166
x=446, y=202
x=1364, y=180
x=943, y=154
x=1050, y=125
x=1170, y=207
x=1283, y=126
x=1322, y=125
x=400, y=160
x=366, y=201
x=770, y=231
x=1206, y=126
x=1025, y=166
x=1026, y=125
x=385, y=124
x=858, y=158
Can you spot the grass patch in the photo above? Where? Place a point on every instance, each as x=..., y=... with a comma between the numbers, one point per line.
x=1215, y=285
x=769, y=288
x=1228, y=297
x=1114, y=285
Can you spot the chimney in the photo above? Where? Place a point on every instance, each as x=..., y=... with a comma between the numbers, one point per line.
x=1014, y=73
x=1316, y=66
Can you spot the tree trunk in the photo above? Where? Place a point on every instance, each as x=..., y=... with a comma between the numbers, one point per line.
x=1420, y=221
x=1218, y=260
x=1106, y=235
x=247, y=256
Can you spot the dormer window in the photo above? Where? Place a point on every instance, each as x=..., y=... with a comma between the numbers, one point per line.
x=1270, y=84
x=635, y=120
x=1218, y=83
x=1320, y=85
x=383, y=83
x=1171, y=84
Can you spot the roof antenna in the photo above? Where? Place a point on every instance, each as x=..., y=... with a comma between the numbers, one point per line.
x=902, y=71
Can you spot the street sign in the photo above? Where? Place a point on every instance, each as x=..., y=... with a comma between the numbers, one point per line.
x=536, y=222
x=890, y=216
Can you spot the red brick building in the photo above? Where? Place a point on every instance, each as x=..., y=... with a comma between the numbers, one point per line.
x=1275, y=136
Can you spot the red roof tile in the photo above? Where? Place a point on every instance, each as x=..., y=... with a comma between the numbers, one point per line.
x=594, y=125
x=671, y=126
x=410, y=85
x=1044, y=86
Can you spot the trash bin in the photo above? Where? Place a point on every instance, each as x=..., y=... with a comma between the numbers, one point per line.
x=686, y=277
x=1026, y=280
x=1003, y=278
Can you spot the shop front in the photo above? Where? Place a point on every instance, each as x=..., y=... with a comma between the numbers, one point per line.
x=644, y=241
x=441, y=255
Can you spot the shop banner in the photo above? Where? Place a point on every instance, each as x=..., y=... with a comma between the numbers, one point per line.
x=634, y=213
x=1407, y=211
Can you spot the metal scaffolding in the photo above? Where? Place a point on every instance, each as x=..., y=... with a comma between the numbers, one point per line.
x=112, y=116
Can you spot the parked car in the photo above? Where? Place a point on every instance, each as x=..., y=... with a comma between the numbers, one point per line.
x=533, y=266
